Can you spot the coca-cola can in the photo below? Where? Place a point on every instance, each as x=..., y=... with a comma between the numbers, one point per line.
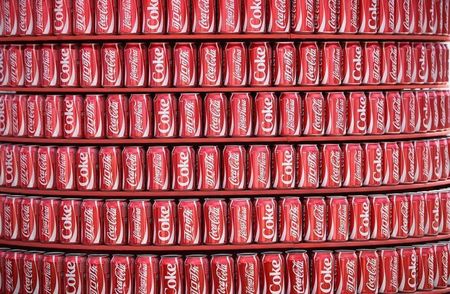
x=28, y=167
x=216, y=115
x=407, y=162
x=441, y=274
x=391, y=163
x=389, y=64
x=369, y=17
x=13, y=271
x=210, y=55
x=204, y=19
x=389, y=16
x=248, y=268
x=425, y=267
x=444, y=225
x=165, y=115
x=421, y=67
x=259, y=167
x=135, y=62
x=48, y=220
x=215, y=221
x=4, y=68
x=29, y=218
x=346, y=271
x=357, y=113
x=69, y=220
x=409, y=112
x=241, y=115
x=106, y=17
x=189, y=222
x=368, y=270
x=190, y=115
x=405, y=16
x=348, y=21
x=372, y=56
x=331, y=171
x=159, y=61
x=158, y=168
x=322, y=275
x=72, y=120
x=400, y=206
x=196, y=268
x=139, y=115
x=266, y=114
x=307, y=166
x=432, y=213
x=373, y=167
x=332, y=58
x=284, y=167
x=133, y=168
x=445, y=159
x=32, y=264
x=423, y=162
x=222, y=273
x=405, y=62
x=139, y=214
x=353, y=165
x=290, y=119
x=49, y=69
x=73, y=271
x=255, y=16
x=234, y=159
x=53, y=119
x=129, y=16
x=68, y=65
x=359, y=217
x=90, y=64
x=407, y=269
x=110, y=168
x=313, y=108
x=230, y=16
x=16, y=65
x=338, y=222
x=97, y=273
x=235, y=68
x=86, y=168
x=62, y=17
x=285, y=64
x=46, y=167
x=315, y=220
x=19, y=115
x=122, y=273
x=309, y=63
x=389, y=270
x=52, y=268
x=31, y=65
x=183, y=168
x=83, y=17
x=178, y=17
x=424, y=112
x=146, y=269
x=416, y=215
x=171, y=269
x=260, y=58
x=326, y=16
x=290, y=211
x=116, y=113
x=12, y=218
x=353, y=60
x=65, y=168
x=240, y=225
x=43, y=17
x=164, y=222
x=94, y=116
x=153, y=16
x=208, y=168
x=91, y=221
x=273, y=266
x=112, y=65
x=380, y=221
x=115, y=228
x=24, y=20
x=185, y=65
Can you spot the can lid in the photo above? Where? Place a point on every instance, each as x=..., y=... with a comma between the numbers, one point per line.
x=140, y=200
x=222, y=254
x=272, y=252
x=247, y=254
x=196, y=255
x=171, y=255
x=189, y=200
x=159, y=200
x=146, y=255
x=54, y=253
x=98, y=255
x=296, y=251
x=76, y=254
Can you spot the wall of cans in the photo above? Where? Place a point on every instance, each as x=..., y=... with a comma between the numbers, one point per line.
x=105, y=104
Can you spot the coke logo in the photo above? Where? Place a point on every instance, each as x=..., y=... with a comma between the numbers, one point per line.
x=2, y=65
x=93, y=282
x=113, y=114
x=8, y=220
x=190, y=115
x=361, y=112
x=46, y=60
x=337, y=57
x=171, y=277
x=262, y=161
x=430, y=262
x=23, y=15
x=357, y=64
x=406, y=17
x=103, y=17
x=268, y=114
x=373, y=13
x=242, y=213
x=384, y=215
x=281, y=13
x=298, y=268
x=61, y=19
x=288, y=62
x=158, y=169
x=423, y=72
x=120, y=282
x=350, y=267
x=133, y=173
x=47, y=281
x=242, y=109
x=326, y=277
x=26, y=220
x=9, y=274
x=107, y=170
x=309, y=17
x=165, y=227
x=136, y=217
x=138, y=115
x=127, y=14
x=276, y=285
x=188, y=220
x=134, y=60
x=62, y=164
x=268, y=219
x=435, y=213
x=222, y=274
x=237, y=69
x=234, y=160
x=312, y=167
x=215, y=222
x=14, y=66
x=364, y=217
x=211, y=64
x=216, y=123
x=24, y=171
x=372, y=278
x=319, y=218
x=194, y=275
x=67, y=223
x=259, y=62
x=210, y=169
x=444, y=267
x=143, y=276
x=86, y=67
x=287, y=166
x=317, y=108
x=80, y=17
x=28, y=58
x=395, y=165
x=185, y=57
x=204, y=6
x=393, y=56
x=112, y=65
x=113, y=223
x=378, y=164
x=333, y=13
x=404, y=210
x=3, y=120
x=412, y=271
x=335, y=160
x=89, y=225
x=250, y=278
x=66, y=65
x=84, y=169
x=31, y=108
x=426, y=162
x=342, y=220
x=421, y=219
x=184, y=177
x=159, y=73
x=154, y=15
x=7, y=15
x=165, y=119
x=256, y=14
x=44, y=168
x=28, y=276
x=376, y=64
x=72, y=281
x=47, y=227
x=176, y=15
x=10, y=168
x=69, y=116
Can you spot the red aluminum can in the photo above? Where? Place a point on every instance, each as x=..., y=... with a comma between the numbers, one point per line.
x=122, y=273
x=359, y=217
x=32, y=264
x=368, y=270
x=129, y=16
x=210, y=67
x=86, y=168
x=133, y=168
x=91, y=221
x=204, y=16
x=260, y=61
x=222, y=274
x=48, y=220
x=445, y=158
x=388, y=278
x=336, y=109
x=436, y=169
x=83, y=17
x=165, y=115
x=53, y=119
x=235, y=68
x=69, y=220
x=240, y=227
x=94, y=116
x=290, y=211
x=16, y=65
x=196, y=268
x=72, y=120
x=298, y=271
x=369, y=17
x=68, y=65
x=112, y=65
x=139, y=214
x=353, y=165
x=97, y=273
x=357, y=113
x=135, y=63
x=234, y=167
x=43, y=17
x=189, y=221
x=52, y=268
x=380, y=221
x=146, y=269
x=116, y=113
x=4, y=68
x=159, y=65
x=248, y=268
x=139, y=114
x=338, y=221
x=326, y=16
x=279, y=16
x=11, y=218
x=178, y=17
x=230, y=16
x=285, y=63
x=389, y=64
x=346, y=271
x=372, y=56
x=215, y=221
x=332, y=57
x=400, y=215
x=255, y=16
x=444, y=225
x=409, y=112
x=6, y=115
x=49, y=65
x=62, y=17
x=407, y=162
x=389, y=16
x=241, y=115
x=216, y=115
x=31, y=65
x=442, y=109
x=190, y=115
x=65, y=168
x=10, y=165
x=153, y=18
x=28, y=162
x=417, y=215
x=171, y=268
x=208, y=168
x=24, y=18
x=90, y=65
x=425, y=267
x=283, y=167
x=423, y=161
x=73, y=271
x=391, y=163
x=434, y=110
x=307, y=166
x=432, y=213
x=373, y=158
x=353, y=73
x=432, y=63
x=266, y=223
x=441, y=274
x=405, y=61
x=110, y=168
x=183, y=168
x=302, y=16
x=322, y=275
x=348, y=21
x=185, y=65
x=273, y=267
x=13, y=268
x=405, y=16
x=421, y=67
x=315, y=220
x=425, y=115
x=158, y=168
x=29, y=222
x=290, y=120
x=331, y=171
x=309, y=63
x=407, y=269
x=46, y=167
x=313, y=114
x=115, y=228
x=259, y=167
x=19, y=115
x=164, y=224
x=106, y=17
x=266, y=114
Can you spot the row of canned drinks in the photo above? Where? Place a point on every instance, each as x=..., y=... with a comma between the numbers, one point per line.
x=232, y=167
x=212, y=65
x=218, y=221
x=215, y=115
x=404, y=269
x=83, y=17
